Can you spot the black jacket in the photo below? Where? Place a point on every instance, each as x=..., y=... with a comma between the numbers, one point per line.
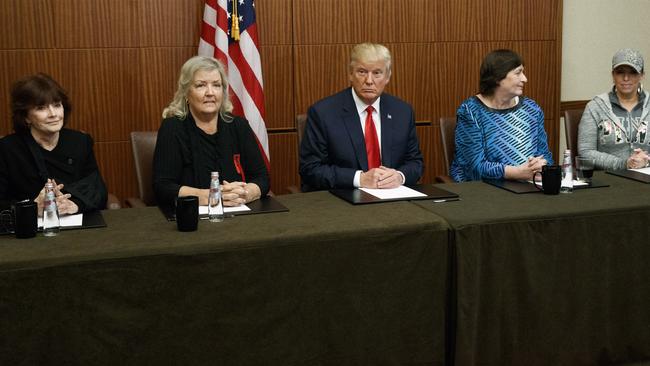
x=178, y=160
x=25, y=167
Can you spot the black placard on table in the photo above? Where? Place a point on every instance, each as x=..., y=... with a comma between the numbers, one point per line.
x=631, y=174
x=519, y=187
x=358, y=197
x=266, y=204
x=92, y=219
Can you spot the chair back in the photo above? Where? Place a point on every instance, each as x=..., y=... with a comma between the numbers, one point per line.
x=301, y=122
x=144, y=144
x=448, y=133
x=571, y=121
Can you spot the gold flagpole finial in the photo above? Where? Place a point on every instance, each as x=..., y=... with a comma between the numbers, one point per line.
x=234, y=32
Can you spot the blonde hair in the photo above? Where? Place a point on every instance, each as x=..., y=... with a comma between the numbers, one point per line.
x=178, y=106
x=364, y=52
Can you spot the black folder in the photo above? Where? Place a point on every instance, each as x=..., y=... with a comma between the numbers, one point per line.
x=358, y=197
x=93, y=219
x=631, y=174
x=516, y=186
x=266, y=204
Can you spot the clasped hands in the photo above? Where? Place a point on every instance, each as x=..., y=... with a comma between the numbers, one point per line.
x=64, y=205
x=638, y=159
x=233, y=193
x=381, y=177
x=526, y=170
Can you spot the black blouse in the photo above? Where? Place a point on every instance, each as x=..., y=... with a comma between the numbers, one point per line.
x=185, y=155
x=25, y=167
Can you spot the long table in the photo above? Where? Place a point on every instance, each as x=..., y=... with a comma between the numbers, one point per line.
x=550, y=280
x=326, y=283
x=493, y=279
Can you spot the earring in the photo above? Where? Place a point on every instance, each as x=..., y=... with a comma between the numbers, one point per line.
x=640, y=90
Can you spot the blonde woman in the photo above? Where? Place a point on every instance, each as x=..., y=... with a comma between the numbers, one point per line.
x=199, y=135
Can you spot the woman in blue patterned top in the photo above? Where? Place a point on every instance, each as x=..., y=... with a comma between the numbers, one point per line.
x=499, y=132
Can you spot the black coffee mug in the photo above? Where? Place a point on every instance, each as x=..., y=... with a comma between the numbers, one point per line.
x=25, y=219
x=551, y=179
x=187, y=213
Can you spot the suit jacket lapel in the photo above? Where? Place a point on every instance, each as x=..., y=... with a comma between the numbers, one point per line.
x=352, y=125
x=386, y=133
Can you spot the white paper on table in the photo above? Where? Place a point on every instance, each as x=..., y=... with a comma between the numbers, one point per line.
x=642, y=170
x=203, y=210
x=67, y=220
x=393, y=193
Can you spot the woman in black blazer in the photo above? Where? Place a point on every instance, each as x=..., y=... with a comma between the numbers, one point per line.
x=199, y=135
x=42, y=150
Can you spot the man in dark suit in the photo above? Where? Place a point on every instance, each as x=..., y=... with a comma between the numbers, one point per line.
x=361, y=137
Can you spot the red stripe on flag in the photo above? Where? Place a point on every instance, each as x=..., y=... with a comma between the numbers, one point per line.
x=252, y=32
x=251, y=84
x=222, y=20
x=236, y=103
x=208, y=34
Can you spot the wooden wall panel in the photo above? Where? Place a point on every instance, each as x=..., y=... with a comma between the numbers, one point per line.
x=159, y=68
x=95, y=23
x=413, y=77
x=284, y=161
x=431, y=152
x=26, y=24
x=107, y=96
x=277, y=68
x=355, y=21
x=274, y=22
x=457, y=67
x=472, y=20
x=319, y=71
x=115, y=161
x=169, y=22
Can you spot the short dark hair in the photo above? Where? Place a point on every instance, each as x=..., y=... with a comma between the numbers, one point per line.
x=33, y=91
x=495, y=67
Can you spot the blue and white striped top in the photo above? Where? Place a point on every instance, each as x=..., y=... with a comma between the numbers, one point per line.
x=489, y=139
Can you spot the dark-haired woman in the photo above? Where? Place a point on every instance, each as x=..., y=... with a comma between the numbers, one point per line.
x=42, y=150
x=499, y=132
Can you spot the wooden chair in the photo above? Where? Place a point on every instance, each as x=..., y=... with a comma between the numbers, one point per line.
x=301, y=122
x=143, y=144
x=571, y=121
x=447, y=134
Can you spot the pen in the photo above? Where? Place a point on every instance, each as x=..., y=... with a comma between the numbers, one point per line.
x=446, y=200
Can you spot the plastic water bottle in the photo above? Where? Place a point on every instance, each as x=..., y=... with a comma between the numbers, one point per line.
x=567, y=173
x=50, y=212
x=215, y=205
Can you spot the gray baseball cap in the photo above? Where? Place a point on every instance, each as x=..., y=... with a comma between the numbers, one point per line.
x=630, y=57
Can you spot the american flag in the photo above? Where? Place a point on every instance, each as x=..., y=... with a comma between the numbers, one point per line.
x=229, y=34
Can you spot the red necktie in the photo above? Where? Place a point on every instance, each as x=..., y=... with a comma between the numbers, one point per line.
x=372, y=144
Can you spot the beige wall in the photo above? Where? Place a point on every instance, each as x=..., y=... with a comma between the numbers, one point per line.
x=593, y=30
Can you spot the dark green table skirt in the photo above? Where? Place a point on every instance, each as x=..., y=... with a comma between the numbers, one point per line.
x=551, y=280
x=327, y=283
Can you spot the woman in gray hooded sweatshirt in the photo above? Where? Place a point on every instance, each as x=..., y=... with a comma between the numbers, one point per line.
x=614, y=126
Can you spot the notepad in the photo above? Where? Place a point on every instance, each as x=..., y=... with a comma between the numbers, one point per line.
x=67, y=220
x=203, y=210
x=394, y=193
